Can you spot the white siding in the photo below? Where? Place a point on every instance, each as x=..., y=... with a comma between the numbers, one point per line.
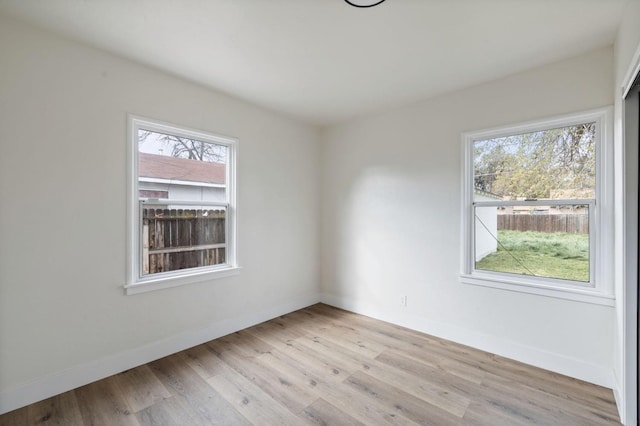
x=186, y=192
x=487, y=231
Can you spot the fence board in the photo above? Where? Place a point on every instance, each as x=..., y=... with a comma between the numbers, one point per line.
x=183, y=238
x=569, y=223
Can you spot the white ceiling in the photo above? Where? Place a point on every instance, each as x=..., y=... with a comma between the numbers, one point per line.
x=324, y=61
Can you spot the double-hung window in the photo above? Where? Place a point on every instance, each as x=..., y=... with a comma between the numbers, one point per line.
x=181, y=205
x=536, y=207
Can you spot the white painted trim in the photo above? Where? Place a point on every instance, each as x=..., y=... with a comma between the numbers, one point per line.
x=620, y=402
x=63, y=381
x=159, y=283
x=601, y=256
x=575, y=293
x=551, y=361
x=632, y=73
x=133, y=276
x=628, y=386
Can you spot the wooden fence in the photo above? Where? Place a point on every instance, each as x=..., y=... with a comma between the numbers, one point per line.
x=175, y=239
x=569, y=223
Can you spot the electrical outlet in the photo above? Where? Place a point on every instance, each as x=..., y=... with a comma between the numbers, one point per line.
x=403, y=300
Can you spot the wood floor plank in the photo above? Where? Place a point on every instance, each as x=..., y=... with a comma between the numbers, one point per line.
x=361, y=408
x=168, y=412
x=326, y=366
x=414, y=344
x=271, y=382
x=376, y=326
x=296, y=373
x=322, y=413
x=552, y=383
x=17, y=417
x=435, y=394
x=340, y=356
x=545, y=406
x=62, y=409
x=194, y=394
x=202, y=360
x=251, y=401
x=485, y=414
x=247, y=344
x=140, y=388
x=309, y=370
x=342, y=334
x=473, y=364
x=403, y=403
x=467, y=387
x=317, y=363
x=452, y=367
x=519, y=372
x=278, y=329
x=102, y=403
x=293, y=372
x=520, y=411
x=408, y=342
x=447, y=398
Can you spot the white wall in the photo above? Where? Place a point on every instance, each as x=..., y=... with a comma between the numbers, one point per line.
x=391, y=221
x=626, y=46
x=64, y=318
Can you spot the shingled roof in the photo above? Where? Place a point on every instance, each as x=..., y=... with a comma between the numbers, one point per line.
x=172, y=168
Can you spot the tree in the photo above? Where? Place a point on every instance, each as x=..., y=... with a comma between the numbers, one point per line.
x=540, y=164
x=490, y=161
x=181, y=147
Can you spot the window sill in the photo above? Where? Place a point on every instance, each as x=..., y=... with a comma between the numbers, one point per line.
x=585, y=295
x=160, y=283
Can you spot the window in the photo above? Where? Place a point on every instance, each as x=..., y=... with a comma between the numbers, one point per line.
x=536, y=208
x=153, y=193
x=181, y=207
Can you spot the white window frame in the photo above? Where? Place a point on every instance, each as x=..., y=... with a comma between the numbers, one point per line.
x=600, y=288
x=136, y=282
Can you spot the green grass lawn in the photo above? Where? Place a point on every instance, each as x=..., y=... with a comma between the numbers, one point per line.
x=555, y=255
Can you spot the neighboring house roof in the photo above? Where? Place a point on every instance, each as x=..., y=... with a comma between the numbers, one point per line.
x=172, y=168
x=486, y=194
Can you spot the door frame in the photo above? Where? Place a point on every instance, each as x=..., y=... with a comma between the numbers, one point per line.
x=628, y=300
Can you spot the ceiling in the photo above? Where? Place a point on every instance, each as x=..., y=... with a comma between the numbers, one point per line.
x=323, y=61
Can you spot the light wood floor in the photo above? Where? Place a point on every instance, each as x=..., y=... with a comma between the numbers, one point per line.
x=325, y=366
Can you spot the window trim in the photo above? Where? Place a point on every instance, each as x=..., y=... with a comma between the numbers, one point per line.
x=135, y=283
x=601, y=289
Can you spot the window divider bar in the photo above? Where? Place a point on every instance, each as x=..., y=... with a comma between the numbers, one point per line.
x=164, y=202
x=561, y=202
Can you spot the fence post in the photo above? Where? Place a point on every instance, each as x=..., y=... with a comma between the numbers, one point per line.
x=145, y=246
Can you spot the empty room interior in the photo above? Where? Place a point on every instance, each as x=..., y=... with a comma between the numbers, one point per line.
x=335, y=212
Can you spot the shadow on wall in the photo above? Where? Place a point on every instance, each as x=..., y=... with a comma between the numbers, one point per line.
x=387, y=223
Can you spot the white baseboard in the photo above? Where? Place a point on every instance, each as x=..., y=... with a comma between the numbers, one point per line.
x=555, y=362
x=81, y=375
x=618, y=394
x=63, y=381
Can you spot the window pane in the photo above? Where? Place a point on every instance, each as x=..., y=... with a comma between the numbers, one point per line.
x=181, y=168
x=522, y=240
x=150, y=193
x=176, y=238
x=550, y=164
